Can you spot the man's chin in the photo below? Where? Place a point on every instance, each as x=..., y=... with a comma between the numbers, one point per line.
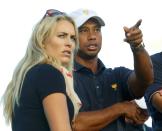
x=87, y=56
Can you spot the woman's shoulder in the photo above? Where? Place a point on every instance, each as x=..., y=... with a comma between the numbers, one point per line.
x=46, y=79
x=43, y=66
x=44, y=70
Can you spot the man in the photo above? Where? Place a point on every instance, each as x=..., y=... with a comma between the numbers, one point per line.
x=105, y=92
x=153, y=94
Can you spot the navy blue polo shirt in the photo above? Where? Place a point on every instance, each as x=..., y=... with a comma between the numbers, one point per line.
x=102, y=89
x=157, y=85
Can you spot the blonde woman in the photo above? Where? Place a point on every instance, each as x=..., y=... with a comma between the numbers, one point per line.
x=40, y=96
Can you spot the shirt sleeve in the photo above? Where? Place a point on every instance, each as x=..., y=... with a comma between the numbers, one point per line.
x=151, y=90
x=157, y=85
x=157, y=66
x=122, y=74
x=48, y=80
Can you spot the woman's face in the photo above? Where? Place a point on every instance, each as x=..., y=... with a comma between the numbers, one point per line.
x=62, y=43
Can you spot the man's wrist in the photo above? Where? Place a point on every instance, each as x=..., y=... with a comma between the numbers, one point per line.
x=137, y=48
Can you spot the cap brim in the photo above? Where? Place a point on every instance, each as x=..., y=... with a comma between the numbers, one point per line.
x=100, y=21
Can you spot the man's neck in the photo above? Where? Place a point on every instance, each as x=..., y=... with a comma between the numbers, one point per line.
x=90, y=64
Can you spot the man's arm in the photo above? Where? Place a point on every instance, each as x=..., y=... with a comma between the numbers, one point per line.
x=96, y=120
x=157, y=100
x=142, y=76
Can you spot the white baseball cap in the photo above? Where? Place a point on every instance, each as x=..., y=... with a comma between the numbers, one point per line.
x=80, y=16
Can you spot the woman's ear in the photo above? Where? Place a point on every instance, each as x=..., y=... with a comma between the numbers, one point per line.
x=43, y=46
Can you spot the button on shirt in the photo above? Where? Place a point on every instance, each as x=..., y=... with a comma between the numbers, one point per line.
x=102, y=89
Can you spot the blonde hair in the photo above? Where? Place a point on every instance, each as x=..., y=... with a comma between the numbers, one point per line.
x=34, y=54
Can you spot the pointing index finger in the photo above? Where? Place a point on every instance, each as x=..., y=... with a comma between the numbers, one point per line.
x=138, y=23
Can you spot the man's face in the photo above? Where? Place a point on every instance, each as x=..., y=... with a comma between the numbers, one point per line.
x=90, y=39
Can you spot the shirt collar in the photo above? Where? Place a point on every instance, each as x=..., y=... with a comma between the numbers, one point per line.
x=78, y=67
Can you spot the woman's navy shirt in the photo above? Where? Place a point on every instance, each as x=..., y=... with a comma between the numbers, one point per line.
x=40, y=81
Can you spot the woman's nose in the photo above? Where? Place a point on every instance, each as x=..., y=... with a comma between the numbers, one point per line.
x=69, y=42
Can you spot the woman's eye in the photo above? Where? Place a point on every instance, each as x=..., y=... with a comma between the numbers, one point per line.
x=61, y=36
x=73, y=38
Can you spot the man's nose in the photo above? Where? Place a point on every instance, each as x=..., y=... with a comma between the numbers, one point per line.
x=92, y=35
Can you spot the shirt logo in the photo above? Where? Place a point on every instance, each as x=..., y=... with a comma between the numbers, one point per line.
x=114, y=86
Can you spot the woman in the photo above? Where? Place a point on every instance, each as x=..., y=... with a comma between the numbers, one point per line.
x=40, y=96
x=153, y=94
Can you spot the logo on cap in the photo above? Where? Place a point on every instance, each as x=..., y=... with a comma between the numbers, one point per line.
x=85, y=12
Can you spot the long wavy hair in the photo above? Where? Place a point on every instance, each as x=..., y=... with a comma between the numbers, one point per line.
x=34, y=54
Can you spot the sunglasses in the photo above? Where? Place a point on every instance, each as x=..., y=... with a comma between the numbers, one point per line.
x=53, y=12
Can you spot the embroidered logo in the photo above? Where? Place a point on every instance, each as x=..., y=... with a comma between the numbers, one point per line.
x=85, y=12
x=114, y=86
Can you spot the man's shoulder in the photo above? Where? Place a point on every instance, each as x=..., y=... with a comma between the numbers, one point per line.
x=156, y=56
x=118, y=69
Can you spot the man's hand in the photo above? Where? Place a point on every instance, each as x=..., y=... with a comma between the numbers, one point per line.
x=134, y=114
x=133, y=34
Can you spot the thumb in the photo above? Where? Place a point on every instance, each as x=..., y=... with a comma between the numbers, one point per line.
x=126, y=29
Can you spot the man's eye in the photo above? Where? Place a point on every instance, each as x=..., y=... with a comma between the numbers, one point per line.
x=83, y=30
x=98, y=29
